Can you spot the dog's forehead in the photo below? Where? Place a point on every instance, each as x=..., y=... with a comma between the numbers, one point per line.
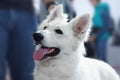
x=57, y=24
x=53, y=24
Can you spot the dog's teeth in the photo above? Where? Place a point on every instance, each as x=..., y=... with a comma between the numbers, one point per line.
x=38, y=47
x=50, y=51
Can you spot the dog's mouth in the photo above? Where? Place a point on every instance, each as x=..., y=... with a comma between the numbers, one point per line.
x=45, y=52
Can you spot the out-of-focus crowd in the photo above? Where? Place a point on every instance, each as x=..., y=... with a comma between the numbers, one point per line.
x=19, y=20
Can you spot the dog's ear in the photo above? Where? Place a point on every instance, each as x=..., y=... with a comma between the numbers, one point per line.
x=56, y=12
x=81, y=26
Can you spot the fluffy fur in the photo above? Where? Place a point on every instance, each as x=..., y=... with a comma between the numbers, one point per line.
x=70, y=64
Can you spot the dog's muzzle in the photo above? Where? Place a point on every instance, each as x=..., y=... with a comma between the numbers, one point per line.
x=43, y=52
x=38, y=37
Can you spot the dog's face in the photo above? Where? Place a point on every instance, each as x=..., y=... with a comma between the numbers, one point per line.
x=56, y=37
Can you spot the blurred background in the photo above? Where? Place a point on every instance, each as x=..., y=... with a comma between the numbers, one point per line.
x=19, y=19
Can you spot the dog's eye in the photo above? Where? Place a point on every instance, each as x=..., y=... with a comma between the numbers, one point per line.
x=44, y=27
x=58, y=31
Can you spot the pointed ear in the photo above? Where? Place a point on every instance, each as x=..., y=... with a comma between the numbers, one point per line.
x=81, y=26
x=56, y=12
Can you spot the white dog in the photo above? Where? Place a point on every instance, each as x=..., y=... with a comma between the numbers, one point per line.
x=59, y=53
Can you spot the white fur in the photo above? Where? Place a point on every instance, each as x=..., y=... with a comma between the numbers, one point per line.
x=70, y=64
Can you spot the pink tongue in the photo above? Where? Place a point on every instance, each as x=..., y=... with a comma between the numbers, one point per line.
x=40, y=53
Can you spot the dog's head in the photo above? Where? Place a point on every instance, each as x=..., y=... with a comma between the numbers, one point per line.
x=56, y=37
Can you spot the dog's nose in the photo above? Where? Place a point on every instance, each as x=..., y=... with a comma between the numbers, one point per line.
x=38, y=37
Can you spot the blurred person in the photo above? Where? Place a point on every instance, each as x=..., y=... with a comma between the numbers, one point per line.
x=101, y=28
x=116, y=37
x=17, y=25
x=119, y=27
x=89, y=50
x=47, y=5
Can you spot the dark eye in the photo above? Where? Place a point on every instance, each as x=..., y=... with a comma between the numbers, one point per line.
x=58, y=31
x=44, y=27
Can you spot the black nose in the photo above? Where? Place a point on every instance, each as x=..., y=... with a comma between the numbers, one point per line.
x=38, y=37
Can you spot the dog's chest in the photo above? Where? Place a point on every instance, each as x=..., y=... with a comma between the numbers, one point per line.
x=55, y=72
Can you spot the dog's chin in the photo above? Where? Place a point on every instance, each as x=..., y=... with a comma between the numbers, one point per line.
x=45, y=52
